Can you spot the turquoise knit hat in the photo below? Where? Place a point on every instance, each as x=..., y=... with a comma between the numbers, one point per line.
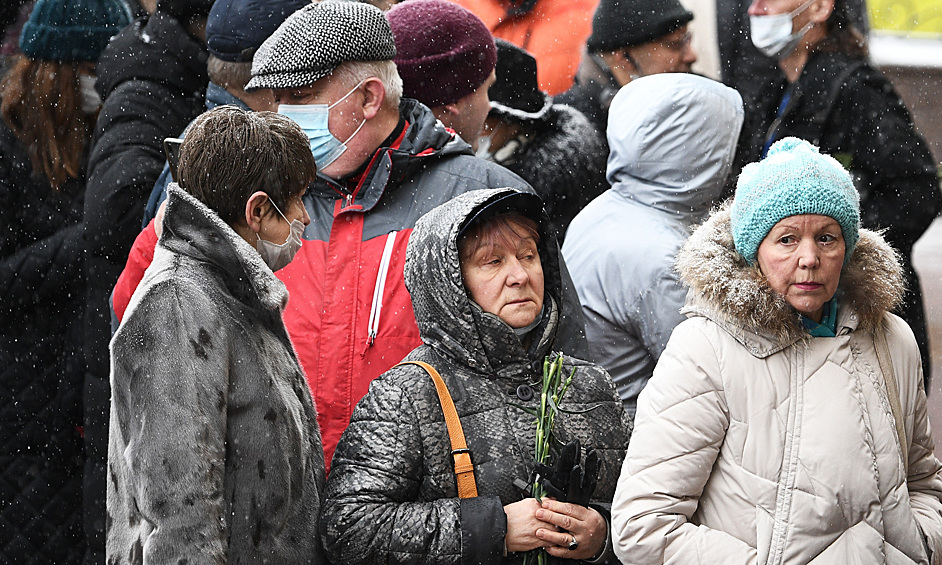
x=793, y=179
x=72, y=30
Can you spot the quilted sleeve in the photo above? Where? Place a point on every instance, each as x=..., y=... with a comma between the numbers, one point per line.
x=679, y=428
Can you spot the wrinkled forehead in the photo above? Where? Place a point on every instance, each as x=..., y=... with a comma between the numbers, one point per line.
x=511, y=231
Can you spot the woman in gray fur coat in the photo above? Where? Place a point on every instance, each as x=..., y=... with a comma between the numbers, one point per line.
x=485, y=289
x=214, y=452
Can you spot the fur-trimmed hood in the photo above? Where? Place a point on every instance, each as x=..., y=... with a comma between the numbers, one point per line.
x=737, y=296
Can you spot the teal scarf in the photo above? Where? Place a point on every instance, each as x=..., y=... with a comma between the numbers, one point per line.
x=828, y=325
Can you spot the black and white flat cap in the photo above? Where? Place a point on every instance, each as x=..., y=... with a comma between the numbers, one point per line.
x=316, y=39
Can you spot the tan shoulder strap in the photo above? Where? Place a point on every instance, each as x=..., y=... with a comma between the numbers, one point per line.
x=892, y=392
x=464, y=469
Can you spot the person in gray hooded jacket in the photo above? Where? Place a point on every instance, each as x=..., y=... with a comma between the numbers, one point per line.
x=392, y=494
x=214, y=450
x=672, y=139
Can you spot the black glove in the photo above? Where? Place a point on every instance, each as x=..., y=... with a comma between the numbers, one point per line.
x=568, y=480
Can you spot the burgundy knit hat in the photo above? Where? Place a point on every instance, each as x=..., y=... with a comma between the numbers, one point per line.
x=444, y=52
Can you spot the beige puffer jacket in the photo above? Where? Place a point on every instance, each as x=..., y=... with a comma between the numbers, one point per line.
x=755, y=443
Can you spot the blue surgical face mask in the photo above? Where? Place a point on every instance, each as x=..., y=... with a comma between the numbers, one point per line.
x=313, y=119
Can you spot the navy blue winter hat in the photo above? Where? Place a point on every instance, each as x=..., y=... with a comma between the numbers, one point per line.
x=72, y=30
x=185, y=11
x=237, y=28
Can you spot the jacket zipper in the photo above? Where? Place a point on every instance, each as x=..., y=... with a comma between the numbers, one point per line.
x=377, y=307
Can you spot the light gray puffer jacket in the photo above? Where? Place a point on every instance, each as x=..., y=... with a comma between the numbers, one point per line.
x=214, y=453
x=392, y=494
x=756, y=443
x=672, y=139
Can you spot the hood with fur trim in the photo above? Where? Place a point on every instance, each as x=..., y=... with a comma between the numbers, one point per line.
x=737, y=296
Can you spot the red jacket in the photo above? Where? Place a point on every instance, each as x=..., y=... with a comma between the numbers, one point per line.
x=349, y=313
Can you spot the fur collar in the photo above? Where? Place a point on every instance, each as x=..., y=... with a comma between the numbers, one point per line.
x=735, y=295
x=192, y=229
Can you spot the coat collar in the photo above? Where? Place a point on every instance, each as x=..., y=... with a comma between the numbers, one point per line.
x=190, y=228
x=737, y=297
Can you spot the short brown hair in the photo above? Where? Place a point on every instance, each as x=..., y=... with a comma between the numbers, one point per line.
x=229, y=153
x=498, y=227
x=227, y=74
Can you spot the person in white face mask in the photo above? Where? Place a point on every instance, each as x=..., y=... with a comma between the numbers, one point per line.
x=48, y=109
x=829, y=94
x=214, y=447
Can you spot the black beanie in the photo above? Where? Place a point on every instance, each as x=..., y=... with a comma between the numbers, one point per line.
x=624, y=23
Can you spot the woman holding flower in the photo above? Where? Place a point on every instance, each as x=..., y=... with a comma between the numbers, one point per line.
x=483, y=272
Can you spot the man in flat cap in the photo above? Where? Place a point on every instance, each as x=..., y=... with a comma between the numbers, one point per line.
x=383, y=161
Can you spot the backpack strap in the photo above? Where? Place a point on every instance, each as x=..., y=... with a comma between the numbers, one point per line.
x=464, y=468
x=892, y=392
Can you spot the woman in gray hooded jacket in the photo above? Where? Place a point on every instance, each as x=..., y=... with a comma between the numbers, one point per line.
x=392, y=494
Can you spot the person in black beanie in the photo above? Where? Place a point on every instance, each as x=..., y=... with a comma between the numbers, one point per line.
x=152, y=77
x=630, y=38
x=553, y=147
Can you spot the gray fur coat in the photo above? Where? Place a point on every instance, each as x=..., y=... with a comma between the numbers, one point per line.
x=392, y=494
x=214, y=450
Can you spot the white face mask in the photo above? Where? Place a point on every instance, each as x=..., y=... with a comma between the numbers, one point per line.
x=91, y=101
x=772, y=34
x=278, y=256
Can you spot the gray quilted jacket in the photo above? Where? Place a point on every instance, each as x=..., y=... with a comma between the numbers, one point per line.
x=392, y=496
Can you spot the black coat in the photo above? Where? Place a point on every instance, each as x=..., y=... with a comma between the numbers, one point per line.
x=152, y=77
x=391, y=495
x=563, y=160
x=42, y=284
x=592, y=93
x=851, y=111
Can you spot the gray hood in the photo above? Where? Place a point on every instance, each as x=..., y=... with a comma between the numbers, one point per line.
x=672, y=137
x=448, y=320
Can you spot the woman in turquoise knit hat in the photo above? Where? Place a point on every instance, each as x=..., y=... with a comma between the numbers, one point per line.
x=48, y=107
x=786, y=420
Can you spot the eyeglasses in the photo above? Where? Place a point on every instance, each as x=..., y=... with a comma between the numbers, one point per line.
x=678, y=45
